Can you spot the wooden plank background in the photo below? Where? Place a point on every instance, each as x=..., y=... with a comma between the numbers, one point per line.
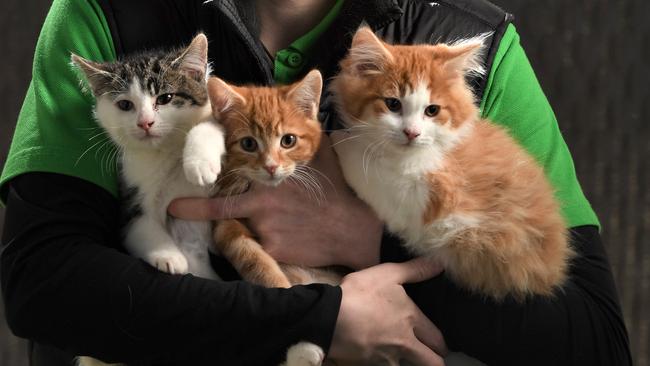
x=591, y=58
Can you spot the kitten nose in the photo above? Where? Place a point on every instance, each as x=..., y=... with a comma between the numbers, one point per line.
x=271, y=169
x=411, y=134
x=145, y=125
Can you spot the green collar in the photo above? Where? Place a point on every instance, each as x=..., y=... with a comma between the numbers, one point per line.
x=290, y=61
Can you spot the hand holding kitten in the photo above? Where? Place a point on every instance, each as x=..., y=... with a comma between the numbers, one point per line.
x=378, y=321
x=294, y=227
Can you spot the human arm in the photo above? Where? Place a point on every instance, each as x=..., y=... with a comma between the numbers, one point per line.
x=66, y=283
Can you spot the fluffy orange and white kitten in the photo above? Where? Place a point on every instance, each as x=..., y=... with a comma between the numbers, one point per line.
x=271, y=135
x=450, y=184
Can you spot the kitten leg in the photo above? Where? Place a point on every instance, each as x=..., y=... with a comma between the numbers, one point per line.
x=204, y=147
x=304, y=354
x=149, y=240
x=235, y=242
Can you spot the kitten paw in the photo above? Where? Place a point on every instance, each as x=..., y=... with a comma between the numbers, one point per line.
x=172, y=262
x=201, y=172
x=305, y=354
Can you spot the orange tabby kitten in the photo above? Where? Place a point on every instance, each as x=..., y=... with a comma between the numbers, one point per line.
x=271, y=134
x=450, y=184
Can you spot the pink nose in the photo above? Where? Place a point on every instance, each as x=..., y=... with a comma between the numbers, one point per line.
x=411, y=134
x=271, y=168
x=145, y=125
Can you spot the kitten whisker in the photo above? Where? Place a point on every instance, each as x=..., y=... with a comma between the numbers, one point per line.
x=365, y=163
x=312, y=187
x=312, y=169
x=347, y=139
x=88, y=150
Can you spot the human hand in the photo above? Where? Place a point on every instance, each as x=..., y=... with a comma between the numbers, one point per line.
x=301, y=224
x=379, y=324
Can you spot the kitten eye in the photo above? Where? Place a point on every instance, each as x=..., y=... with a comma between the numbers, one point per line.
x=248, y=144
x=432, y=110
x=288, y=141
x=164, y=99
x=393, y=104
x=124, y=105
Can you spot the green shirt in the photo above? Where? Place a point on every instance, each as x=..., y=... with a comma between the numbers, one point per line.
x=290, y=62
x=57, y=133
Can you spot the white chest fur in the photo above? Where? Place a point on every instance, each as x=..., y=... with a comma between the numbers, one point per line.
x=398, y=189
x=159, y=178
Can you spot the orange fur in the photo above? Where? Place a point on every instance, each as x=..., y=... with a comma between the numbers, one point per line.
x=519, y=244
x=236, y=243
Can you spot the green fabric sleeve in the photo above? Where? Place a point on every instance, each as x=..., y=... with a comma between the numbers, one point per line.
x=56, y=131
x=513, y=98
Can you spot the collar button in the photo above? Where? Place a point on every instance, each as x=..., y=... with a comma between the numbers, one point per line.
x=294, y=59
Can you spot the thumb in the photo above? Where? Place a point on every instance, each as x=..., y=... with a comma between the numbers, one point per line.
x=415, y=270
x=218, y=208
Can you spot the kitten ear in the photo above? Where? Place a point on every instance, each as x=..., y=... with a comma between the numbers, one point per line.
x=466, y=55
x=368, y=53
x=194, y=59
x=222, y=96
x=95, y=72
x=306, y=93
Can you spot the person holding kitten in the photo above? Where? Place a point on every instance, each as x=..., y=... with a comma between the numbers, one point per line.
x=69, y=286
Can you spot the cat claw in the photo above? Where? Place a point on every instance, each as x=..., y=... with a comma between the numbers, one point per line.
x=169, y=262
x=201, y=172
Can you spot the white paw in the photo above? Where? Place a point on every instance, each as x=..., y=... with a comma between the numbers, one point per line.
x=201, y=172
x=173, y=262
x=305, y=354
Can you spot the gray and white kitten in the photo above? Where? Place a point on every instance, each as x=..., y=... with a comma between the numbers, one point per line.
x=148, y=104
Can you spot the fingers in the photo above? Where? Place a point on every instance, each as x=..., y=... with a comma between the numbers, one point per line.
x=415, y=270
x=428, y=334
x=219, y=208
x=420, y=355
x=418, y=270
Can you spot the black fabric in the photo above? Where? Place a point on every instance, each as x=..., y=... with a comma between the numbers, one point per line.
x=238, y=56
x=66, y=282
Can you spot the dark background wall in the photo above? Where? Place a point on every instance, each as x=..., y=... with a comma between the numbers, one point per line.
x=19, y=27
x=591, y=58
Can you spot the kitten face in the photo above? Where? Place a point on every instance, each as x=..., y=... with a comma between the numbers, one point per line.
x=409, y=97
x=145, y=99
x=270, y=132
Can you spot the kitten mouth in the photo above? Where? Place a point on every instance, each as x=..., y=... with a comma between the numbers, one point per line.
x=148, y=136
x=273, y=181
x=268, y=180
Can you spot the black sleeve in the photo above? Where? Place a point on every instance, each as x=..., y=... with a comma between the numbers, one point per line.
x=65, y=282
x=581, y=325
